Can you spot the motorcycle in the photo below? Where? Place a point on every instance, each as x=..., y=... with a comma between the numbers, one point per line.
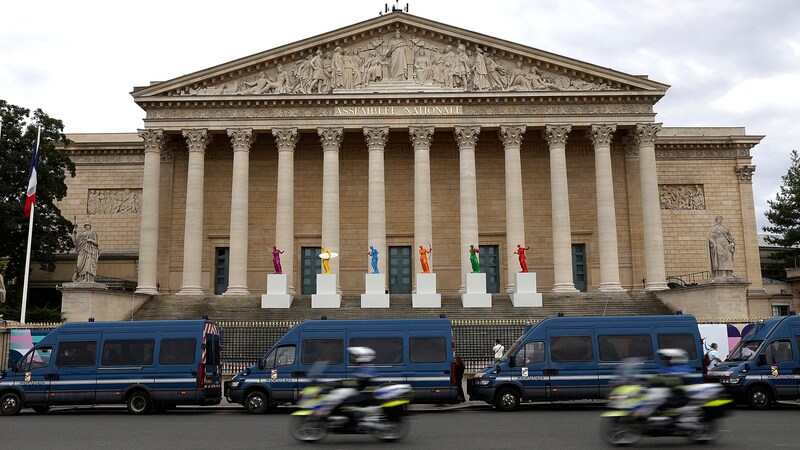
x=324, y=409
x=646, y=411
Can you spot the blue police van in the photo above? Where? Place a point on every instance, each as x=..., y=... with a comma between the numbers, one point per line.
x=145, y=365
x=414, y=351
x=764, y=367
x=571, y=358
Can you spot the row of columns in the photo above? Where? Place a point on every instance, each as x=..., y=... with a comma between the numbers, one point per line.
x=466, y=137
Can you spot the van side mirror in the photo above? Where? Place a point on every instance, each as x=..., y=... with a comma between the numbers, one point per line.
x=261, y=364
x=762, y=360
x=15, y=366
x=511, y=362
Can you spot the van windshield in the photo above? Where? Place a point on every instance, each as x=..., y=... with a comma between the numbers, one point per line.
x=744, y=351
x=513, y=348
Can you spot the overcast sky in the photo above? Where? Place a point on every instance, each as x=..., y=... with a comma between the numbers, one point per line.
x=730, y=63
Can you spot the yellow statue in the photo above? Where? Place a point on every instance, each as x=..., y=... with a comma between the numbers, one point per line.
x=325, y=254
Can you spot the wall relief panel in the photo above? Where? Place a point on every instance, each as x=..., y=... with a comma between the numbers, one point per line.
x=682, y=196
x=114, y=201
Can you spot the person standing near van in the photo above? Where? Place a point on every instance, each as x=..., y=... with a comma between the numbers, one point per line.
x=460, y=368
x=498, y=350
x=713, y=357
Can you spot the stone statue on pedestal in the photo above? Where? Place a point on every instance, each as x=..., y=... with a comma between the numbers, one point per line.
x=87, y=246
x=721, y=247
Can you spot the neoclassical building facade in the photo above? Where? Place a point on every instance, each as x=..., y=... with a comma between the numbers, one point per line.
x=399, y=133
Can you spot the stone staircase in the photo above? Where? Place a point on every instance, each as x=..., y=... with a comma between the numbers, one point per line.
x=248, y=308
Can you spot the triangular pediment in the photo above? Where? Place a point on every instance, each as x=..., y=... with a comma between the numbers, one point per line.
x=398, y=52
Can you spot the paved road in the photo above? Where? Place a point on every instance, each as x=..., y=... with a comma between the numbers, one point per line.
x=477, y=426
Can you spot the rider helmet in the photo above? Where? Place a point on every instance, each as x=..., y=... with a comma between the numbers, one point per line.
x=674, y=356
x=362, y=355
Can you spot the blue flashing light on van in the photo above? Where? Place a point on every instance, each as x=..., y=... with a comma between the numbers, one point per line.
x=418, y=352
x=571, y=358
x=145, y=365
x=764, y=367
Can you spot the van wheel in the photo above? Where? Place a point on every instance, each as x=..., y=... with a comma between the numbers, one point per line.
x=759, y=398
x=139, y=403
x=256, y=402
x=507, y=400
x=10, y=404
x=40, y=409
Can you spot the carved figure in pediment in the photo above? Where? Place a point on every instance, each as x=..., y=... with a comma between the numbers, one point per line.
x=302, y=73
x=496, y=74
x=518, y=80
x=400, y=56
x=372, y=69
x=264, y=84
x=422, y=68
x=443, y=68
x=351, y=75
x=327, y=71
x=537, y=82
x=337, y=65
x=461, y=68
x=480, y=73
x=317, y=74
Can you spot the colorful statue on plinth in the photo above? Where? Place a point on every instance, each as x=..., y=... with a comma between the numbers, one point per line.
x=325, y=254
x=374, y=255
x=276, y=259
x=521, y=252
x=473, y=259
x=423, y=258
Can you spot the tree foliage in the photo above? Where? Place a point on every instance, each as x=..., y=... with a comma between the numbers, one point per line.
x=784, y=216
x=51, y=231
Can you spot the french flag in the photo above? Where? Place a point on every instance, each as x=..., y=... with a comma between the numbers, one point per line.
x=31, y=199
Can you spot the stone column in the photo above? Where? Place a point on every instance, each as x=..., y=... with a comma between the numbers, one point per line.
x=601, y=136
x=511, y=135
x=376, y=209
x=651, y=207
x=467, y=137
x=331, y=138
x=241, y=140
x=286, y=139
x=196, y=140
x=148, y=229
x=423, y=223
x=556, y=136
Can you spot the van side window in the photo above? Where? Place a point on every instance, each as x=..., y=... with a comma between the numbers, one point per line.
x=281, y=356
x=36, y=359
x=177, y=351
x=532, y=352
x=571, y=348
x=683, y=341
x=618, y=347
x=427, y=350
x=387, y=350
x=319, y=350
x=128, y=353
x=779, y=351
x=213, y=350
x=76, y=354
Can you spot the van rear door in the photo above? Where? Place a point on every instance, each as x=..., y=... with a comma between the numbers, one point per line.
x=73, y=379
x=177, y=368
x=572, y=364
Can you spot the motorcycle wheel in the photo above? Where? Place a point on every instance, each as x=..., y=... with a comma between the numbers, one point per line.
x=709, y=432
x=397, y=428
x=307, y=429
x=619, y=432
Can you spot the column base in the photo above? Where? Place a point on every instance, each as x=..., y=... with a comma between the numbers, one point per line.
x=659, y=286
x=239, y=290
x=186, y=290
x=564, y=287
x=610, y=287
x=146, y=290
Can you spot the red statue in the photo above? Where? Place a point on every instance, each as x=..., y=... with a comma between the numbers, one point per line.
x=521, y=252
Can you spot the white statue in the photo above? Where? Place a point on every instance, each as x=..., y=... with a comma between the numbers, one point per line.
x=87, y=245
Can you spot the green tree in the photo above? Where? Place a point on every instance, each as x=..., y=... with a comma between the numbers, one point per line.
x=51, y=231
x=784, y=219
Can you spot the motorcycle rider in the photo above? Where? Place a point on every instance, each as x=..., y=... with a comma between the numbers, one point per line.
x=665, y=389
x=363, y=356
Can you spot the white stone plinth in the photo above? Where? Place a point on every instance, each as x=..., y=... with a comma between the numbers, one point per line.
x=277, y=295
x=326, y=296
x=476, y=296
x=525, y=291
x=426, y=296
x=376, y=296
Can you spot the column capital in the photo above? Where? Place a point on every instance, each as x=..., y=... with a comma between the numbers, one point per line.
x=153, y=139
x=511, y=135
x=421, y=137
x=745, y=173
x=196, y=139
x=376, y=137
x=285, y=138
x=241, y=138
x=466, y=136
x=557, y=134
x=331, y=138
x=601, y=134
x=645, y=133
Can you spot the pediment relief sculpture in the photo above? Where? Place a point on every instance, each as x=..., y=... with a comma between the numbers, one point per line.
x=399, y=60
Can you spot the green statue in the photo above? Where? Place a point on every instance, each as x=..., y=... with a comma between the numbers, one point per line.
x=473, y=259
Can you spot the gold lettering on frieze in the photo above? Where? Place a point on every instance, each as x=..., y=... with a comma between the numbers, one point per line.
x=426, y=110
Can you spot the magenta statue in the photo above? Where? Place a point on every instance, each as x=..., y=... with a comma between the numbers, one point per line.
x=521, y=252
x=276, y=259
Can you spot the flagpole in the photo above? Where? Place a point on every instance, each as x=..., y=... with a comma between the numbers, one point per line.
x=28, y=254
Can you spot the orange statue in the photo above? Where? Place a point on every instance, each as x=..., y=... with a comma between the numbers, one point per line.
x=423, y=258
